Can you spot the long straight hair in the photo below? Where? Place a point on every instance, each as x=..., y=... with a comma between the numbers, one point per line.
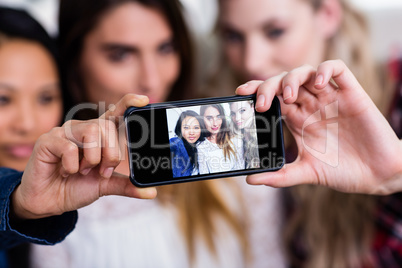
x=190, y=148
x=224, y=136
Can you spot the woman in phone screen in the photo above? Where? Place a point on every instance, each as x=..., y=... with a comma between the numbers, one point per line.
x=189, y=130
x=243, y=122
x=221, y=151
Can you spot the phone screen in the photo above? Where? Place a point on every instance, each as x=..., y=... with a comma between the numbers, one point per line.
x=203, y=139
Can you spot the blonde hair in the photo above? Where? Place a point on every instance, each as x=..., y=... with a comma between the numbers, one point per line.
x=200, y=205
x=337, y=228
x=250, y=143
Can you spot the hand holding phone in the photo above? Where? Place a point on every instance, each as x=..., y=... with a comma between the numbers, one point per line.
x=344, y=142
x=202, y=139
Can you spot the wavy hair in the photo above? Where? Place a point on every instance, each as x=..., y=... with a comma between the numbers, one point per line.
x=224, y=136
x=250, y=142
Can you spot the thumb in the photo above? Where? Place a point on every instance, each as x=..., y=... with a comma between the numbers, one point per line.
x=127, y=101
x=119, y=184
x=291, y=174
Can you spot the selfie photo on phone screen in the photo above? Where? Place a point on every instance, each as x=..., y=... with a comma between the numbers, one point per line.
x=202, y=139
x=213, y=138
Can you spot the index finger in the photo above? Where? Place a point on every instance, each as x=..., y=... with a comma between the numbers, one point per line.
x=117, y=110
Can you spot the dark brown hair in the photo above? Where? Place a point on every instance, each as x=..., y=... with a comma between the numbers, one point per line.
x=77, y=18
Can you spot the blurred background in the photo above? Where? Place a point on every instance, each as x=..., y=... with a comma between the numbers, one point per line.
x=385, y=18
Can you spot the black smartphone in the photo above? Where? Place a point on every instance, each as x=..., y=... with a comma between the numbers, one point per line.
x=201, y=139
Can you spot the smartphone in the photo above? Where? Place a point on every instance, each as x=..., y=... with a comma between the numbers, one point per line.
x=200, y=139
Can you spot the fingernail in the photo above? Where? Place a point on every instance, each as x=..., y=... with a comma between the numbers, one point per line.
x=287, y=92
x=241, y=86
x=319, y=80
x=108, y=172
x=85, y=171
x=260, y=101
x=141, y=97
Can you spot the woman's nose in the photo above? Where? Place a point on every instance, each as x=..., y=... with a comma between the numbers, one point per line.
x=150, y=79
x=256, y=55
x=25, y=118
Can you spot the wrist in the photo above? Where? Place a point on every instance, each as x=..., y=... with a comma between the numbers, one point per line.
x=18, y=211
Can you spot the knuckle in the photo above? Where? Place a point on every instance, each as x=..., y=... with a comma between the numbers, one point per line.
x=92, y=159
x=71, y=148
x=92, y=127
x=55, y=132
x=114, y=158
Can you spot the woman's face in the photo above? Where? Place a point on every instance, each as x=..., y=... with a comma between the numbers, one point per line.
x=241, y=114
x=213, y=120
x=263, y=38
x=30, y=99
x=131, y=50
x=190, y=129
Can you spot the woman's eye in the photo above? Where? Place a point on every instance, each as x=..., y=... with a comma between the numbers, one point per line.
x=185, y=128
x=4, y=100
x=242, y=111
x=118, y=55
x=274, y=33
x=46, y=99
x=231, y=36
x=167, y=48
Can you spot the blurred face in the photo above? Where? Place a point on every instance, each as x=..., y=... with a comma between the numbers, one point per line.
x=263, y=38
x=131, y=50
x=190, y=129
x=241, y=114
x=30, y=100
x=213, y=120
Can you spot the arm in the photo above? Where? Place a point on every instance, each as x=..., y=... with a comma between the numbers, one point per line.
x=13, y=231
x=343, y=140
x=70, y=167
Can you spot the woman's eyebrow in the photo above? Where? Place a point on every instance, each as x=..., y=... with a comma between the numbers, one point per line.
x=114, y=46
x=7, y=87
x=51, y=86
x=261, y=25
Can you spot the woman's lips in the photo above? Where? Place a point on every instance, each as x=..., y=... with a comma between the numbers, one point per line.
x=214, y=128
x=192, y=138
x=20, y=151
